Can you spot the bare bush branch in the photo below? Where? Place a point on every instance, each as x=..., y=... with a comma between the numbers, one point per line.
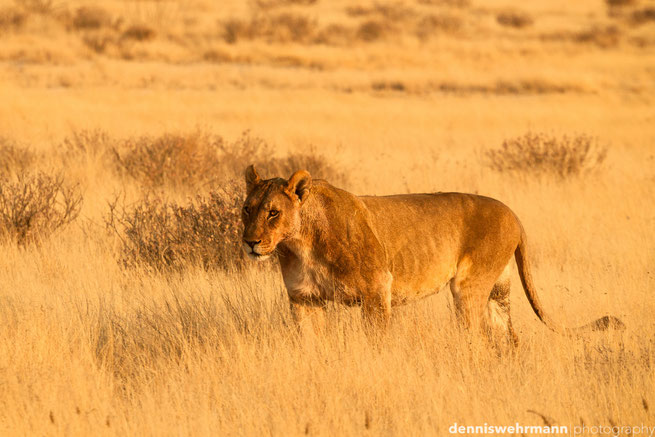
x=34, y=206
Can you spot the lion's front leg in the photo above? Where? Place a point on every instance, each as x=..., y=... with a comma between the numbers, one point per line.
x=376, y=303
x=309, y=319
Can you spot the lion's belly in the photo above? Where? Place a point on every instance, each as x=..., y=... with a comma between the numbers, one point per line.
x=419, y=274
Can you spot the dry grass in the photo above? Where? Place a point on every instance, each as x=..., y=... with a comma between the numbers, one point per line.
x=155, y=326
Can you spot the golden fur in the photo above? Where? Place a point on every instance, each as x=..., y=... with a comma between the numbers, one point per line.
x=389, y=250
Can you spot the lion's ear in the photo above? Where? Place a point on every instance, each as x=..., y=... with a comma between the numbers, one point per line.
x=252, y=178
x=299, y=184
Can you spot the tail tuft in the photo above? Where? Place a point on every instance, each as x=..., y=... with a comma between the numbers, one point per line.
x=606, y=323
x=603, y=324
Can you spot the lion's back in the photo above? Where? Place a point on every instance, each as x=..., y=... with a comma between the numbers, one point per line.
x=426, y=234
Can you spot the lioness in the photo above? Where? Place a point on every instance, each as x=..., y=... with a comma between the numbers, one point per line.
x=385, y=251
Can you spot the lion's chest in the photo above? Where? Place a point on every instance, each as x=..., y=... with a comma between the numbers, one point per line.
x=309, y=280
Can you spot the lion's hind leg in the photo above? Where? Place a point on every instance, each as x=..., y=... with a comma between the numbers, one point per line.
x=498, y=320
x=481, y=299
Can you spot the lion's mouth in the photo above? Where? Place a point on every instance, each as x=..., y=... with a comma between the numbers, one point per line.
x=256, y=254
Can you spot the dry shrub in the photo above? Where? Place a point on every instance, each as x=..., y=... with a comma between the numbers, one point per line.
x=139, y=32
x=91, y=17
x=270, y=4
x=642, y=16
x=200, y=160
x=504, y=87
x=372, y=30
x=288, y=27
x=11, y=18
x=248, y=149
x=216, y=55
x=170, y=160
x=432, y=24
x=390, y=11
x=542, y=154
x=91, y=146
x=14, y=159
x=335, y=34
x=89, y=142
x=42, y=7
x=533, y=86
x=166, y=235
x=514, y=19
x=619, y=3
x=284, y=27
x=388, y=86
x=450, y=3
x=34, y=206
x=233, y=30
x=602, y=36
x=98, y=41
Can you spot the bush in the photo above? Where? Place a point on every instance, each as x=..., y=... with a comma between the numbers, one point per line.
x=170, y=160
x=284, y=27
x=602, y=36
x=432, y=24
x=514, y=19
x=13, y=158
x=541, y=154
x=91, y=17
x=91, y=145
x=33, y=207
x=11, y=18
x=43, y=7
x=372, y=30
x=619, y=3
x=644, y=15
x=270, y=4
x=235, y=157
x=165, y=235
x=450, y=3
x=139, y=32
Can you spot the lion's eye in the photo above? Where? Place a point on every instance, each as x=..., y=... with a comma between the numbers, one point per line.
x=273, y=213
x=246, y=210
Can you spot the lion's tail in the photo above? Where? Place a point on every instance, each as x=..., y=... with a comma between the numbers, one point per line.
x=602, y=324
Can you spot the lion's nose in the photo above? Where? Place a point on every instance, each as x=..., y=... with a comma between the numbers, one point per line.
x=252, y=243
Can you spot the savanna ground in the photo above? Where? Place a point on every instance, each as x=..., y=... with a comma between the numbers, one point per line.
x=125, y=308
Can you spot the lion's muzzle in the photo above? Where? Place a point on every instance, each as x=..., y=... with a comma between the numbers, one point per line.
x=254, y=250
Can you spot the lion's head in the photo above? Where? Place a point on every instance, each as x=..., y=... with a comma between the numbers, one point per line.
x=271, y=211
